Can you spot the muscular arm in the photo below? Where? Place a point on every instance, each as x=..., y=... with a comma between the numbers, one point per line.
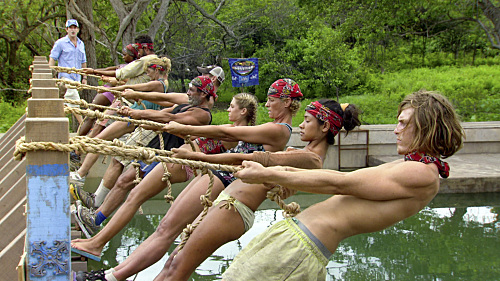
x=385, y=182
x=222, y=158
x=164, y=99
x=193, y=116
x=273, y=135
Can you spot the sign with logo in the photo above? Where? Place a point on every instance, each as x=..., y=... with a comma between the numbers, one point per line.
x=244, y=72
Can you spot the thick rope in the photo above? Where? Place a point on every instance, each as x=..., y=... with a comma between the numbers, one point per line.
x=85, y=104
x=73, y=70
x=276, y=194
x=79, y=86
x=146, y=155
x=101, y=116
x=207, y=203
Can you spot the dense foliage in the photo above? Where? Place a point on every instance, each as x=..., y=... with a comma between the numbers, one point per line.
x=366, y=50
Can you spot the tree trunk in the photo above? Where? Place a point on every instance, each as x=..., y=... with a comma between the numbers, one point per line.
x=87, y=34
x=493, y=14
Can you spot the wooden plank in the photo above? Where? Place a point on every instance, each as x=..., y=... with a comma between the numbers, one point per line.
x=7, y=167
x=6, y=158
x=41, y=66
x=46, y=75
x=42, y=70
x=12, y=177
x=15, y=194
x=12, y=135
x=45, y=93
x=9, y=257
x=53, y=108
x=12, y=223
x=39, y=58
x=43, y=83
x=14, y=130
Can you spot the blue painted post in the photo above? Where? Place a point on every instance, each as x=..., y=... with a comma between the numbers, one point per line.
x=48, y=236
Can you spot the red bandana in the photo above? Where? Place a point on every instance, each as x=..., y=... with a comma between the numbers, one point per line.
x=155, y=66
x=205, y=85
x=443, y=167
x=146, y=45
x=284, y=88
x=325, y=114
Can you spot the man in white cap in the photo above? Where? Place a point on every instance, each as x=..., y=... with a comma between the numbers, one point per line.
x=69, y=51
x=216, y=73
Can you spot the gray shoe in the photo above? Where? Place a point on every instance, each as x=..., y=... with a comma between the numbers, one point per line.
x=85, y=217
x=75, y=178
x=87, y=198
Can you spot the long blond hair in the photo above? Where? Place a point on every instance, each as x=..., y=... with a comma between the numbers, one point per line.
x=437, y=127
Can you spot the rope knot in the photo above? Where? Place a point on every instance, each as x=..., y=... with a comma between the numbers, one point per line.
x=169, y=198
x=228, y=204
x=205, y=200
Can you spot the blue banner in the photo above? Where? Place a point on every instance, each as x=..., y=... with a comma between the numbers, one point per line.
x=244, y=72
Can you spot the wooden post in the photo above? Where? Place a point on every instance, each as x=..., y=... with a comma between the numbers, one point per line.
x=48, y=235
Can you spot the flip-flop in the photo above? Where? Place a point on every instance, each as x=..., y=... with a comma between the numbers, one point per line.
x=85, y=254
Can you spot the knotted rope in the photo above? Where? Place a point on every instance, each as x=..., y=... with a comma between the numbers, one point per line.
x=73, y=70
x=276, y=195
x=206, y=202
x=101, y=116
x=146, y=155
x=79, y=86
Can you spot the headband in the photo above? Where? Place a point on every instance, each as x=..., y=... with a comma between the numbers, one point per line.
x=325, y=114
x=146, y=45
x=284, y=88
x=155, y=66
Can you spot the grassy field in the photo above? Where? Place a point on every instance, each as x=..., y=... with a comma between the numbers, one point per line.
x=474, y=91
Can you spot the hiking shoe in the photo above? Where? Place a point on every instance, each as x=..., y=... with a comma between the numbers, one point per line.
x=87, y=198
x=74, y=161
x=91, y=276
x=85, y=217
x=74, y=177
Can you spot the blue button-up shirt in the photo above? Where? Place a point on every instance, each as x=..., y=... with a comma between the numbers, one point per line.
x=67, y=55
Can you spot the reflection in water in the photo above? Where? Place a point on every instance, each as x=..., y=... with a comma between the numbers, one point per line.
x=455, y=238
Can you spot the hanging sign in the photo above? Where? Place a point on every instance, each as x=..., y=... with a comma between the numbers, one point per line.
x=244, y=72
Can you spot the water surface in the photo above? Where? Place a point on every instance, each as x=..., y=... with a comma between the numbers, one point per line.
x=455, y=238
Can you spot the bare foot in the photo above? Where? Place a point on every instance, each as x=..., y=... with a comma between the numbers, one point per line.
x=86, y=246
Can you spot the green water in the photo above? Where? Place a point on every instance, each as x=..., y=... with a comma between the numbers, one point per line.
x=455, y=238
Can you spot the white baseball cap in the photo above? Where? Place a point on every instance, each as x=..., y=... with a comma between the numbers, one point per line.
x=215, y=70
x=72, y=22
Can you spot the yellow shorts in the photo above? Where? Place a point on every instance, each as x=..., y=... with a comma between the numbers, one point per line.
x=282, y=252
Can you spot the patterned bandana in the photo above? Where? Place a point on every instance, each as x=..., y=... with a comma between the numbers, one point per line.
x=284, y=88
x=133, y=50
x=146, y=45
x=205, y=85
x=155, y=66
x=325, y=114
x=443, y=167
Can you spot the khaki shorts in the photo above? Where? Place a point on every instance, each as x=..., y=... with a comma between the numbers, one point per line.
x=71, y=94
x=282, y=252
x=139, y=137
